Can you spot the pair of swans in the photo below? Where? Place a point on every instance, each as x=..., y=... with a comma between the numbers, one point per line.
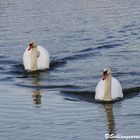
x=37, y=58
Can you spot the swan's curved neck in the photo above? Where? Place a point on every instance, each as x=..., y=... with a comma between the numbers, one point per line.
x=34, y=58
x=107, y=91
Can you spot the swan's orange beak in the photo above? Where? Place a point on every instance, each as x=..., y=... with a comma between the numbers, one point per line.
x=30, y=46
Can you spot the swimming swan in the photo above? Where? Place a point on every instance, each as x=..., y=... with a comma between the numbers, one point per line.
x=35, y=58
x=108, y=88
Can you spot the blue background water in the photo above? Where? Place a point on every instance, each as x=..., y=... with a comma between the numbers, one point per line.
x=82, y=37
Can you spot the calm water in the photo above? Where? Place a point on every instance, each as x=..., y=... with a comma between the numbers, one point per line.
x=82, y=37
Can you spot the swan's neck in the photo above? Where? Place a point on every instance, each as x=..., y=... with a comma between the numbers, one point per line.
x=34, y=58
x=107, y=91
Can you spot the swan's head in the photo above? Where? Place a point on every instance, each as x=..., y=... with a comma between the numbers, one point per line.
x=106, y=73
x=32, y=45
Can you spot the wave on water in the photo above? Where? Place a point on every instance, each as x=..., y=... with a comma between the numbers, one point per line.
x=108, y=46
x=90, y=52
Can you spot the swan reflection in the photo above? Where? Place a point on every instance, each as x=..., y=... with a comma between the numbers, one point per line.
x=37, y=97
x=36, y=92
x=110, y=119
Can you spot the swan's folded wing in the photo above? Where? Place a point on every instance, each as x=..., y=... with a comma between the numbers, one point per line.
x=99, y=91
x=43, y=59
x=27, y=59
x=116, y=89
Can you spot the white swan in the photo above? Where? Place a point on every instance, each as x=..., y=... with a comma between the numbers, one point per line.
x=35, y=58
x=108, y=88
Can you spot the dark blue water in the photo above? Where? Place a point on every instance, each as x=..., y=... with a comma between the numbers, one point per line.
x=82, y=37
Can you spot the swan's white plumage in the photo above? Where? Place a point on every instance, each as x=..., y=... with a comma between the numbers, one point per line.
x=116, y=89
x=43, y=59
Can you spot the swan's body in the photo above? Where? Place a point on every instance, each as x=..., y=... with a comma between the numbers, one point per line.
x=108, y=88
x=36, y=58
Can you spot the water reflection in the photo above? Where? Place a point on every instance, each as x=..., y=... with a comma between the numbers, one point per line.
x=110, y=119
x=36, y=97
x=37, y=92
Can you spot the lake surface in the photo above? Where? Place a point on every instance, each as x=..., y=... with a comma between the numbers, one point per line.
x=82, y=37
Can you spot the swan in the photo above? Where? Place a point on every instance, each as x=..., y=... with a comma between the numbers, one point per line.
x=35, y=58
x=108, y=88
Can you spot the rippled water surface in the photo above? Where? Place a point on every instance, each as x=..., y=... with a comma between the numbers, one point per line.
x=82, y=37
